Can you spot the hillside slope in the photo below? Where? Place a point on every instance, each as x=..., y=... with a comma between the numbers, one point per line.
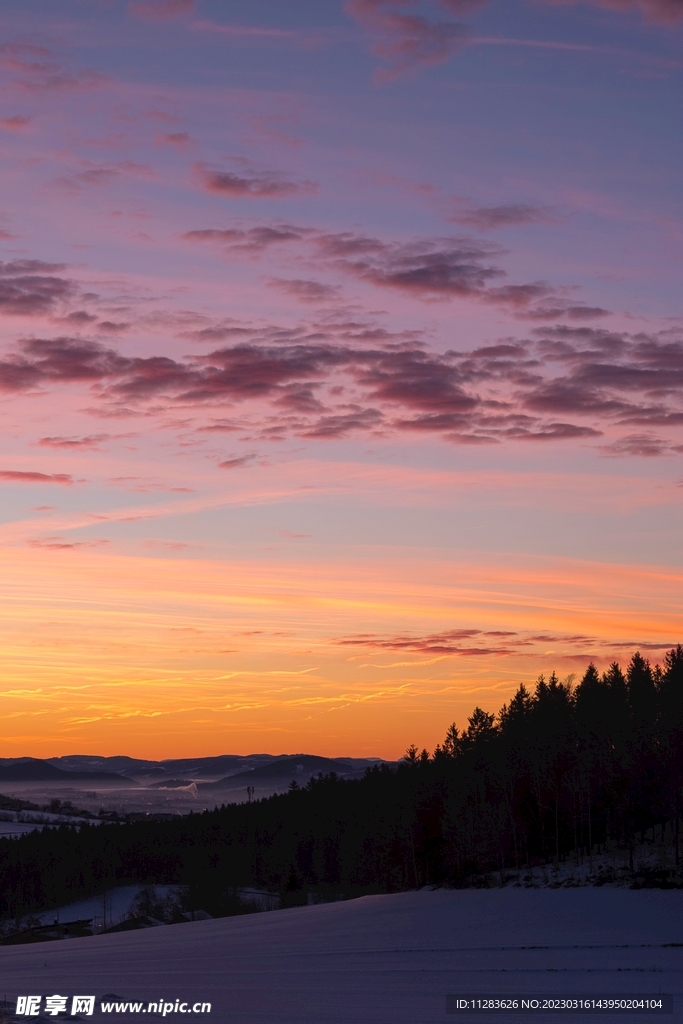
x=377, y=959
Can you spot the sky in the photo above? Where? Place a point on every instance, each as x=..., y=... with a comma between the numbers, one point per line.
x=341, y=364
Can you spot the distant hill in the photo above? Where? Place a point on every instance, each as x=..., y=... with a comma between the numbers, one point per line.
x=287, y=769
x=117, y=765
x=35, y=770
x=173, y=768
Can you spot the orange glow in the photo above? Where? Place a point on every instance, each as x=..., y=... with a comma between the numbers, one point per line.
x=161, y=657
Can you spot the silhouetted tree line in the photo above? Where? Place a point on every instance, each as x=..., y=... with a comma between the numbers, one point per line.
x=558, y=772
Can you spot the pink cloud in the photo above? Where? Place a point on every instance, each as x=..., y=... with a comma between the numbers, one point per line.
x=666, y=12
x=143, y=485
x=14, y=124
x=28, y=477
x=405, y=39
x=160, y=10
x=166, y=545
x=237, y=461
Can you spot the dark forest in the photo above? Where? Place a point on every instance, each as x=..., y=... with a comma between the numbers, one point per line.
x=561, y=773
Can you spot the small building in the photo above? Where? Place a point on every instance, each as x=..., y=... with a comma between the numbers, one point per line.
x=260, y=898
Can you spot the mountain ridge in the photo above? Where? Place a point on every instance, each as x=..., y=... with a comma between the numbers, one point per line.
x=213, y=770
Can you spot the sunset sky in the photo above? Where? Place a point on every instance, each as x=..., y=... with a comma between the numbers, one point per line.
x=341, y=365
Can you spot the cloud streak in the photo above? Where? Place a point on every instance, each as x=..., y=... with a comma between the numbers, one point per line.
x=490, y=218
x=13, y=476
x=449, y=642
x=305, y=290
x=89, y=443
x=253, y=241
x=250, y=184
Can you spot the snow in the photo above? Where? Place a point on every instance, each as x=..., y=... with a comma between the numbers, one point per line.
x=12, y=829
x=612, y=866
x=19, y=823
x=380, y=959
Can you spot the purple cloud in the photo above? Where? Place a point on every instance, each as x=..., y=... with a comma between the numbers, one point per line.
x=252, y=240
x=179, y=139
x=446, y=268
x=99, y=176
x=305, y=291
x=29, y=288
x=79, y=317
x=425, y=268
x=342, y=424
x=451, y=641
x=641, y=445
x=488, y=218
x=251, y=184
x=440, y=267
x=666, y=12
x=12, y=268
x=406, y=40
x=38, y=72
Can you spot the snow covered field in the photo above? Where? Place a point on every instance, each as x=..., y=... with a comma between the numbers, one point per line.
x=19, y=823
x=389, y=959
